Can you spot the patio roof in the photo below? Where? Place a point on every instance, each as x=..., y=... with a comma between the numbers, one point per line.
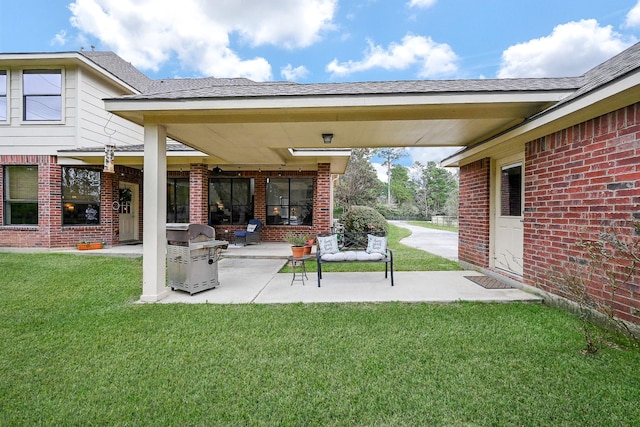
x=238, y=121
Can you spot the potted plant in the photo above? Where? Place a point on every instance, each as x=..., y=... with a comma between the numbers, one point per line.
x=297, y=244
x=83, y=246
x=308, y=245
x=96, y=245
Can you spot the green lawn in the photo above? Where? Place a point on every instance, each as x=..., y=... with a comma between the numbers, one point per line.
x=77, y=350
x=427, y=224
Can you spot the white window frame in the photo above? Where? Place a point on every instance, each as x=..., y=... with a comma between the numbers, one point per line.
x=7, y=97
x=62, y=97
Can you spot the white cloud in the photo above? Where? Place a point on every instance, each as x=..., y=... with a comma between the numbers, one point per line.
x=421, y=3
x=59, y=39
x=148, y=33
x=294, y=74
x=381, y=171
x=571, y=50
x=433, y=59
x=425, y=155
x=633, y=17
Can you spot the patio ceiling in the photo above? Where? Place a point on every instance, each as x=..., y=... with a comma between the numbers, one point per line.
x=263, y=131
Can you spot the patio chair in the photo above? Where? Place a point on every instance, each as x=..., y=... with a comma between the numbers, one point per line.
x=251, y=234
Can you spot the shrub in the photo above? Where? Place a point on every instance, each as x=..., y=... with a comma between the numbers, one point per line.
x=364, y=218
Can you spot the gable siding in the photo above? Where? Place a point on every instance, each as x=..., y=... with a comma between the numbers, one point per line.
x=94, y=118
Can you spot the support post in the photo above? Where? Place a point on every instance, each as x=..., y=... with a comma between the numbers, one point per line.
x=154, y=282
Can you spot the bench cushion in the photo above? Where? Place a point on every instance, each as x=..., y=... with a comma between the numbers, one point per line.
x=352, y=256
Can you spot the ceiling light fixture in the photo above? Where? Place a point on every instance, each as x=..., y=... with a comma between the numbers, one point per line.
x=327, y=137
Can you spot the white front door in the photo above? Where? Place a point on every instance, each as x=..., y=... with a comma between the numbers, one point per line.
x=127, y=211
x=509, y=234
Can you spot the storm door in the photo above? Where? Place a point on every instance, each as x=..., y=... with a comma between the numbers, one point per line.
x=509, y=236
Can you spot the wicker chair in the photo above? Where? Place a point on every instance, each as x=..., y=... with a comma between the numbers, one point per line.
x=250, y=235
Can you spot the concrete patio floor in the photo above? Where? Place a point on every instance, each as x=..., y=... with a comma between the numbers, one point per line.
x=249, y=274
x=258, y=281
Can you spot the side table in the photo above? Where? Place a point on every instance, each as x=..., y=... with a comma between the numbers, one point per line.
x=298, y=267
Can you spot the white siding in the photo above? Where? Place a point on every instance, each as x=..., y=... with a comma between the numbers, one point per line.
x=83, y=123
x=94, y=118
x=20, y=137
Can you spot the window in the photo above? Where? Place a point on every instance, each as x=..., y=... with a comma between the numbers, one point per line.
x=3, y=96
x=42, y=90
x=20, y=195
x=290, y=201
x=511, y=191
x=80, y=196
x=230, y=201
x=177, y=200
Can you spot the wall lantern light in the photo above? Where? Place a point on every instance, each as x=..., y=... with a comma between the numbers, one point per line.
x=327, y=137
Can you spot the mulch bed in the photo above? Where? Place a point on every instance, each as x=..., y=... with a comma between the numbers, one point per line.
x=488, y=282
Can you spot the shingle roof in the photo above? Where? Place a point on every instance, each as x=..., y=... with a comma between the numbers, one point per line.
x=120, y=68
x=210, y=87
x=626, y=61
x=243, y=88
x=171, y=147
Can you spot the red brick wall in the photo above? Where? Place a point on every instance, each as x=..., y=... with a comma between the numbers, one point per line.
x=49, y=232
x=473, y=238
x=577, y=181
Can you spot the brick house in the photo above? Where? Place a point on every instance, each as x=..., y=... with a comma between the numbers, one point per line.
x=570, y=172
x=54, y=130
x=522, y=139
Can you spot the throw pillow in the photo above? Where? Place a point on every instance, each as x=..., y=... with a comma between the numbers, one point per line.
x=328, y=244
x=251, y=227
x=376, y=244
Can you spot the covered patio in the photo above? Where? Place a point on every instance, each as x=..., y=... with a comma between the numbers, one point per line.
x=275, y=124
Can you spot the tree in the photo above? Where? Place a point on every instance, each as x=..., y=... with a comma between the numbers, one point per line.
x=401, y=186
x=390, y=155
x=437, y=187
x=360, y=184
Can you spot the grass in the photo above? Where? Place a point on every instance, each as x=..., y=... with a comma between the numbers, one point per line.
x=405, y=258
x=427, y=224
x=76, y=350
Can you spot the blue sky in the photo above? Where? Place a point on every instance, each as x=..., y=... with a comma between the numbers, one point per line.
x=332, y=40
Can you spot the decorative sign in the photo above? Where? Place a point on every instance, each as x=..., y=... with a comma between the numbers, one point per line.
x=109, y=156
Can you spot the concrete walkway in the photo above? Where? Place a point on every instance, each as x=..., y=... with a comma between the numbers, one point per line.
x=438, y=242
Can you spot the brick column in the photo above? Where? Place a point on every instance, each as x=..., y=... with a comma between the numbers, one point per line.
x=199, y=194
x=323, y=203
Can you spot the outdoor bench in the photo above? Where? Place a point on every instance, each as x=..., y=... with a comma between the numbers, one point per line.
x=354, y=246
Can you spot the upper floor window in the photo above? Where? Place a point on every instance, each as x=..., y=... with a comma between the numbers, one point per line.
x=80, y=196
x=3, y=96
x=42, y=91
x=177, y=199
x=20, y=195
x=290, y=201
x=230, y=201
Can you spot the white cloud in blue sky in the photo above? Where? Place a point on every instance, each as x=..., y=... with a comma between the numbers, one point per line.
x=421, y=3
x=432, y=59
x=570, y=50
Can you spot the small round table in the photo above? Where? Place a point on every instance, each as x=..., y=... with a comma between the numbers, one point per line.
x=298, y=267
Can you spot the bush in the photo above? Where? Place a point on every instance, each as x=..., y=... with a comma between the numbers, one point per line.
x=364, y=218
